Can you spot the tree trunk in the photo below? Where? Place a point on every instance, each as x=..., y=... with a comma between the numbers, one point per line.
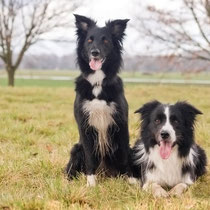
x=11, y=76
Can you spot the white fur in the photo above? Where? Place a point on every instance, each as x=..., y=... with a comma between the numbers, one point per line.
x=97, y=90
x=141, y=153
x=156, y=190
x=167, y=126
x=178, y=189
x=133, y=181
x=167, y=172
x=100, y=117
x=190, y=157
x=96, y=77
x=91, y=180
x=100, y=114
x=96, y=80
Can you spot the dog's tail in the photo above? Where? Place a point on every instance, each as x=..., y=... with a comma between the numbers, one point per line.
x=76, y=163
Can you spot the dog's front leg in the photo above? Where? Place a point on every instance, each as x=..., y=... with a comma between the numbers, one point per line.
x=155, y=189
x=92, y=164
x=91, y=157
x=122, y=153
x=178, y=189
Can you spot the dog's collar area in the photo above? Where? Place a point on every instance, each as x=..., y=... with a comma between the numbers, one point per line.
x=97, y=84
x=96, y=78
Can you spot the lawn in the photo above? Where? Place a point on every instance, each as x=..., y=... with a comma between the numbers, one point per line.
x=37, y=130
x=124, y=74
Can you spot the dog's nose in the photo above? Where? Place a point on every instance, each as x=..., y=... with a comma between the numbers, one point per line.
x=164, y=134
x=95, y=52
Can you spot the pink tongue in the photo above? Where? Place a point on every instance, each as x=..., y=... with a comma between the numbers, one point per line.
x=165, y=149
x=95, y=64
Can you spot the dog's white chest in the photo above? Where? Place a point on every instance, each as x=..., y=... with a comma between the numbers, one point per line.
x=99, y=112
x=100, y=116
x=96, y=80
x=166, y=172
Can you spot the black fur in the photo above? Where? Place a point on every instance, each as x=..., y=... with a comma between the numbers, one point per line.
x=182, y=119
x=84, y=156
x=78, y=158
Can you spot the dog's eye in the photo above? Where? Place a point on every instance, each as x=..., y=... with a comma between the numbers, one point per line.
x=175, y=121
x=106, y=41
x=157, y=121
x=90, y=40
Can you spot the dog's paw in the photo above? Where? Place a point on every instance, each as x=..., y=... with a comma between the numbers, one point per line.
x=156, y=190
x=178, y=189
x=159, y=192
x=91, y=180
x=133, y=181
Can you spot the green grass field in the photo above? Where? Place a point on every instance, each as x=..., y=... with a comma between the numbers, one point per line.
x=38, y=83
x=124, y=74
x=37, y=130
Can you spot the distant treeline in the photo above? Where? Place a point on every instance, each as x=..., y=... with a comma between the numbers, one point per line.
x=135, y=63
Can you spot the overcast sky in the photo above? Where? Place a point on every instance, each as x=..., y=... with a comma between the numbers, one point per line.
x=103, y=10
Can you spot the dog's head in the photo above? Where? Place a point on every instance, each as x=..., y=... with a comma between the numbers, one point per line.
x=168, y=125
x=96, y=44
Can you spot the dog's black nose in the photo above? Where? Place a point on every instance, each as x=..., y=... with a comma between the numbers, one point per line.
x=164, y=134
x=95, y=52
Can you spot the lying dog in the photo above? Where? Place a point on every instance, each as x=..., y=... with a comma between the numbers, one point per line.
x=100, y=107
x=167, y=155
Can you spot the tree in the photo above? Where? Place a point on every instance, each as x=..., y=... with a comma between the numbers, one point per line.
x=181, y=32
x=23, y=23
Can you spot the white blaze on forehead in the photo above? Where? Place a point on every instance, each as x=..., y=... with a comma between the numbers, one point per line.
x=168, y=126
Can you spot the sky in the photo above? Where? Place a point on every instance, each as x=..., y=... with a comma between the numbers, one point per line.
x=101, y=11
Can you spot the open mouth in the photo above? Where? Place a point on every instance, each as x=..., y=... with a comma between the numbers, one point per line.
x=165, y=149
x=96, y=64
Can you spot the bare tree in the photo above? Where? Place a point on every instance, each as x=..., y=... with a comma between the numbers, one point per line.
x=23, y=23
x=184, y=31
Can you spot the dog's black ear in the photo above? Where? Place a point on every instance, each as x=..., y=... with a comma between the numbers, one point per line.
x=83, y=23
x=147, y=108
x=188, y=108
x=188, y=111
x=117, y=27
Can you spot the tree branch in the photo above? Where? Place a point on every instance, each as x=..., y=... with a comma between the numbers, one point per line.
x=171, y=30
x=191, y=6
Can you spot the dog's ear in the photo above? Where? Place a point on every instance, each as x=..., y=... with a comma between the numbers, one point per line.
x=188, y=108
x=117, y=27
x=147, y=108
x=188, y=111
x=83, y=23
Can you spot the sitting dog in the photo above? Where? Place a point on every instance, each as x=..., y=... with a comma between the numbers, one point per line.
x=166, y=154
x=100, y=107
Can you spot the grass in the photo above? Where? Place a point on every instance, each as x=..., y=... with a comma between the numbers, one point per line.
x=38, y=83
x=37, y=130
x=124, y=74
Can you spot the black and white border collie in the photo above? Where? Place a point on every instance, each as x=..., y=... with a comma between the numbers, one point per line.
x=166, y=154
x=100, y=107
